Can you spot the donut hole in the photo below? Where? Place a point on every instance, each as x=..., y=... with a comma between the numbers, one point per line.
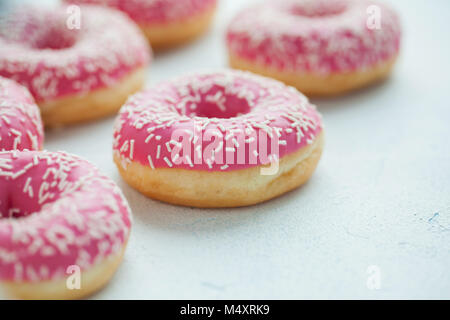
x=317, y=8
x=39, y=186
x=54, y=38
x=12, y=208
x=23, y=200
x=216, y=103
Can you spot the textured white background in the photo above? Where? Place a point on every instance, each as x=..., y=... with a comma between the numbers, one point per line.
x=380, y=196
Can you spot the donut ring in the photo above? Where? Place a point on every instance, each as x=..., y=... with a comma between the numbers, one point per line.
x=58, y=212
x=74, y=74
x=166, y=23
x=207, y=140
x=20, y=121
x=321, y=47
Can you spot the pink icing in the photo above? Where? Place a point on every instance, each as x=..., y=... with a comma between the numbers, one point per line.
x=229, y=111
x=20, y=120
x=155, y=11
x=40, y=51
x=56, y=210
x=322, y=36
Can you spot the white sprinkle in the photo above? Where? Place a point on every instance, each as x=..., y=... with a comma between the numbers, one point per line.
x=220, y=147
x=168, y=147
x=158, y=151
x=27, y=184
x=33, y=139
x=124, y=147
x=149, y=137
x=195, y=139
x=150, y=161
x=168, y=162
x=188, y=159
x=131, y=149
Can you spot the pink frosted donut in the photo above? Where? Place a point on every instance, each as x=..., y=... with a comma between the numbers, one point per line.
x=78, y=63
x=165, y=22
x=20, y=120
x=206, y=140
x=58, y=215
x=318, y=46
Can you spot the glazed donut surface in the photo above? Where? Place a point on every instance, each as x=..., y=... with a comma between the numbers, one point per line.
x=148, y=12
x=63, y=66
x=57, y=211
x=20, y=120
x=321, y=47
x=166, y=23
x=209, y=124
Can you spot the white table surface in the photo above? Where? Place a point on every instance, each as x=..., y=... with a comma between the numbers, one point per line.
x=380, y=196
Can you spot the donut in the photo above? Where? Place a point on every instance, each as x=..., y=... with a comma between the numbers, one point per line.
x=321, y=47
x=217, y=139
x=166, y=23
x=20, y=120
x=74, y=74
x=58, y=216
